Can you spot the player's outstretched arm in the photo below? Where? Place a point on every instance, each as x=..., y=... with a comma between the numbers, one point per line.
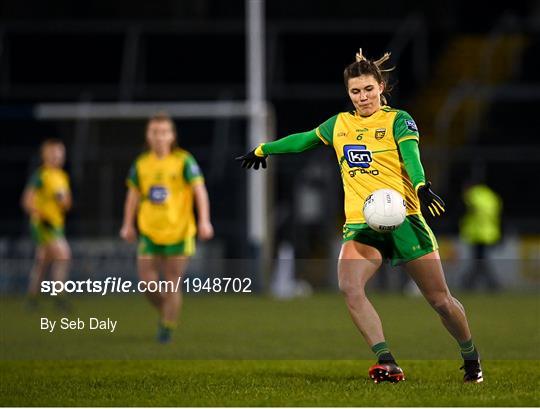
x=295, y=143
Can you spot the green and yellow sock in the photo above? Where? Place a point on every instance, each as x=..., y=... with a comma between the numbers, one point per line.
x=170, y=325
x=469, y=351
x=165, y=330
x=383, y=353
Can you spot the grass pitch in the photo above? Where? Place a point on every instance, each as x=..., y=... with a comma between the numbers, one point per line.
x=256, y=351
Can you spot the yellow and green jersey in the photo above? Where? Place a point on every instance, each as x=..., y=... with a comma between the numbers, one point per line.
x=165, y=184
x=368, y=154
x=49, y=184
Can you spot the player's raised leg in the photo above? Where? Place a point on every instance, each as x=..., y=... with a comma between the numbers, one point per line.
x=428, y=274
x=357, y=264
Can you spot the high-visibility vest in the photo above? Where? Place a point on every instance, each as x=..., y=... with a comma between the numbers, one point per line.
x=482, y=221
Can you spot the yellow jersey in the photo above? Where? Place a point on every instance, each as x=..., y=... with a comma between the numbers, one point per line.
x=49, y=184
x=368, y=156
x=165, y=184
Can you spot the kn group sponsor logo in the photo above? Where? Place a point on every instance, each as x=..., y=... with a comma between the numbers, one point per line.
x=357, y=156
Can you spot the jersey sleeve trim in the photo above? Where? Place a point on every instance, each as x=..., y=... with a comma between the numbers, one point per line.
x=418, y=185
x=198, y=180
x=130, y=184
x=259, y=151
x=408, y=138
x=318, y=133
x=325, y=131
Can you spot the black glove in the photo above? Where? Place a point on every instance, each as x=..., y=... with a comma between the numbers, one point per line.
x=250, y=159
x=430, y=200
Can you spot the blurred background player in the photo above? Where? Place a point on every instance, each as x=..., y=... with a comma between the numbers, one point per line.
x=377, y=147
x=46, y=199
x=162, y=184
x=480, y=228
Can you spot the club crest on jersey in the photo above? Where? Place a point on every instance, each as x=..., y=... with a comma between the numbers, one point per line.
x=411, y=125
x=379, y=133
x=357, y=156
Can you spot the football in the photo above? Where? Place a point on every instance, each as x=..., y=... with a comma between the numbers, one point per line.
x=384, y=210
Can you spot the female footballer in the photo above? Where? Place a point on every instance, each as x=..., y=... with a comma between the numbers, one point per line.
x=162, y=184
x=46, y=199
x=377, y=147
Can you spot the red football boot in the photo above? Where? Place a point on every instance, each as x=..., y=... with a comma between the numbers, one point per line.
x=388, y=371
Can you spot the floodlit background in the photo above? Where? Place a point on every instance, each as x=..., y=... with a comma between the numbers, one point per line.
x=232, y=77
x=234, y=74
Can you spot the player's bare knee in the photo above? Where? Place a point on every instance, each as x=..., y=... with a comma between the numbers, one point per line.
x=458, y=304
x=147, y=275
x=343, y=285
x=64, y=255
x=351, y=290
x=61, y=252
x=41, y=260
x=443, y=304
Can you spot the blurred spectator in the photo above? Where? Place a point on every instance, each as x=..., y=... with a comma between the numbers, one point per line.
x=480, y=227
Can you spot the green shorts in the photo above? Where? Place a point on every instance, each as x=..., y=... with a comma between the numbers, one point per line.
x=44, y=233
x=411, y=240
x=148, y=248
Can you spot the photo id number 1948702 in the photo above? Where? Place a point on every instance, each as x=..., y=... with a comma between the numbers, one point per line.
x=217, y=285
